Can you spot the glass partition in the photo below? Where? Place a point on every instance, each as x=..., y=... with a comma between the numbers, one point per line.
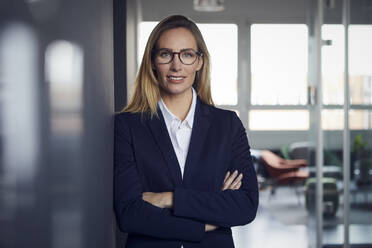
x=347, y=178
x=360, y=84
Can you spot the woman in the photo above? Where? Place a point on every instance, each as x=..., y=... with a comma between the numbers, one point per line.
x=183, y=169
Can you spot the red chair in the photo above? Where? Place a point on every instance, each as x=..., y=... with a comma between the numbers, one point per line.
x=282, y=171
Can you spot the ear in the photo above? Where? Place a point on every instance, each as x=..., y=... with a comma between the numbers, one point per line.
x=200, y=62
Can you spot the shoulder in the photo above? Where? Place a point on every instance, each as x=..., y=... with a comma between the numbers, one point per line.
x=123, y=117
x=130, y=116
x=222, y=118
x=126, y=124
x=128, y=119
x=215, y=111
x=219, y=114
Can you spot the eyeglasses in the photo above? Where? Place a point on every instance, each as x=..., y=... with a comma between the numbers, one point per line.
x=186, y=56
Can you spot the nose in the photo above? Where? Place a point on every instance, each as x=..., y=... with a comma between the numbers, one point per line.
x=176, y=63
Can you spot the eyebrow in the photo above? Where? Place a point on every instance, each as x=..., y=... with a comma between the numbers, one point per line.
x=164, y=48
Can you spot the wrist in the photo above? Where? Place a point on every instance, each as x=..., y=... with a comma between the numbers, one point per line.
x=168, y=199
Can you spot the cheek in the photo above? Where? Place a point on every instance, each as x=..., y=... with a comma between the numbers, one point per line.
x=192, y=72
x=161, y=71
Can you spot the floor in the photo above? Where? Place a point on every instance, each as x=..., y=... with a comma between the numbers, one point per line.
x=282, y=221
x=267, y=232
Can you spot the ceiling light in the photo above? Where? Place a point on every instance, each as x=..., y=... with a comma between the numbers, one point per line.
x=209, y=5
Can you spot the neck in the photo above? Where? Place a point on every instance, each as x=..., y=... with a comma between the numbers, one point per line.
x=179, y=105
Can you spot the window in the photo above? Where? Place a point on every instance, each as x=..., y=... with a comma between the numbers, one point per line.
x=360, y=64
x=279, y=120
x=279, y=64
x=279, y=76
x=360, y=77
x=332, y=119
x=333, y=62
x=279, y=73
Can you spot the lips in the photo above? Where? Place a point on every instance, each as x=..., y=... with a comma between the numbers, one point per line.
x=176, y=79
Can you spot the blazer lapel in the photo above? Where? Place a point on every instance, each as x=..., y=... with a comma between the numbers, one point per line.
x=160, y=133
x=198, y=136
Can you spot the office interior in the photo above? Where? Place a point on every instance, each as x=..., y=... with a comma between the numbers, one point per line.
x=297, y=72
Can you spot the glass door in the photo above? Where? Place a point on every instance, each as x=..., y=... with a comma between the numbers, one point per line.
x=340, y=96
x=327, y=138
x=333, y=124
x=360, y=123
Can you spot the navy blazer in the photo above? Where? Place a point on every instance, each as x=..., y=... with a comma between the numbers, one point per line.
x=144, y=161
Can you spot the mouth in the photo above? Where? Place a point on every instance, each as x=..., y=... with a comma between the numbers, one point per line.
x=176, y=79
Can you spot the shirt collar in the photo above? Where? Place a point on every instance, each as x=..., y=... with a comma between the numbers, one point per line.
x=169, y=116
x=190, y=116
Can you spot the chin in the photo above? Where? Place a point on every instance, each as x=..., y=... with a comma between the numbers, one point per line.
x=176, y=89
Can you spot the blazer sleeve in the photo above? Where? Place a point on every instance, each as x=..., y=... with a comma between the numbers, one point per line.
x=133, y=214
x=230, y=207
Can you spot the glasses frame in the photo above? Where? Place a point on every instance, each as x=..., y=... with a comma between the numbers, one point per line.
x=198, y=54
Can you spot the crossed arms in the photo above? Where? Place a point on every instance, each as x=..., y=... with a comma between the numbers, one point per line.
x=165, y=199
x=183, y=214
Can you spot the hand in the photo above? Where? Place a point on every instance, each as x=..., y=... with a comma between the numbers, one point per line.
x=161, y=200
x=232, y=181
x=209, y=227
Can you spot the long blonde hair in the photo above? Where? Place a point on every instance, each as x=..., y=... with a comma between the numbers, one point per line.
x=147, y=90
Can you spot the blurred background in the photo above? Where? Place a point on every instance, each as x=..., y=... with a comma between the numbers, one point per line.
x=297, y=72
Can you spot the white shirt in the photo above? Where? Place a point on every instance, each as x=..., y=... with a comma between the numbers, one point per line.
x=179, y=132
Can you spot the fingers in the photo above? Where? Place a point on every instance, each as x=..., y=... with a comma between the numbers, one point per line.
x=209, y=227
x=237, y=182
x=146, y=196
x=232, y=181
x=229, y=180
x=239, y=185
x=227, y=176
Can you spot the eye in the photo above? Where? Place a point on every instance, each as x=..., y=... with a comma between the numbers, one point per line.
x=188, y=54
x=164, y=54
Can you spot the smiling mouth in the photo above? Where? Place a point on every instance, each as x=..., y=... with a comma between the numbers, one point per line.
x=175, y=78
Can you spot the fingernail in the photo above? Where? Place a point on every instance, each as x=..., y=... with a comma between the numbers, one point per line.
x=235, y=172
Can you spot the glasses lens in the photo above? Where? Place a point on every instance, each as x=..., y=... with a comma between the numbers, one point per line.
x=188, y=57
x=164, y=56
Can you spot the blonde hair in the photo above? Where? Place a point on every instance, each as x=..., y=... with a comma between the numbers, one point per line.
x=147, y=90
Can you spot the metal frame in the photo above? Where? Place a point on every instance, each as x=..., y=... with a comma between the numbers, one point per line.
x=319, y=131
x=346, y=131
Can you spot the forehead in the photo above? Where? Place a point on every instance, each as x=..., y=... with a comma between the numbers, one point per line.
x=177, y=39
